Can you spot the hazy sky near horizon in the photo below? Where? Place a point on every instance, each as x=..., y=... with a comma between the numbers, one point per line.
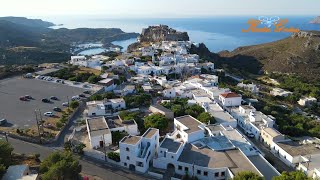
x=160, y=8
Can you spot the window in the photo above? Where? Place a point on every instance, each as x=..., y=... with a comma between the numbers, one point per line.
x=216, y=174
x=128, y=158
x=172, y=157
x=205, y=173
x=198, y=171
x=186, y=169
x=179, y=167
x=223, y=173
x=127, y=149
x=125, y=164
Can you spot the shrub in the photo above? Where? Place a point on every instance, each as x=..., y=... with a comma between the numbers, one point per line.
x=114, y=156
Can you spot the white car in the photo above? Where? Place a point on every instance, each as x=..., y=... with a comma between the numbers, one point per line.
x=49, y=114
x=65, y=104
x=75, y=98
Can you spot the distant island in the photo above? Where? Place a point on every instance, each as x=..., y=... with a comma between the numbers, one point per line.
x=316, y=20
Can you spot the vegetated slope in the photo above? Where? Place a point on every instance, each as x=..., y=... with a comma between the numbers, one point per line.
x=298, y=54
x=23, y=43
x=37, y=23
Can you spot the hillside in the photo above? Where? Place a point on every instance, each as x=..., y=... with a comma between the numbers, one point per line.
x=24, y=41
x=37, y=23
x=298, y=54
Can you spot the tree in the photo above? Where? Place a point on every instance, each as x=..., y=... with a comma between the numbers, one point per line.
x=117, y=136
x=114, y=156
x=94, y=79
x=247, y=175
x=3, y=170
x=295, y=175
x=158, y=121
x=5, y=155
x=194, y=110
x=206, y=118
x=74, y=104
x=60, y=165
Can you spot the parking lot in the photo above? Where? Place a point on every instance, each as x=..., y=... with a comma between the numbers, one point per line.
x=22, y=113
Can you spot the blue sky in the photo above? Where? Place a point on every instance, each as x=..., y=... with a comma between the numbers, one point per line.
x=160, y=8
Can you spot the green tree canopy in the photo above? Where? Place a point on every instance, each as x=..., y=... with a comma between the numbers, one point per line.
x=206, y=118
x=295, y=175
x=5, y=155
x=60, y=165
x=158, y=121
x=247, y=175
x=74, y=104
x=94, y=79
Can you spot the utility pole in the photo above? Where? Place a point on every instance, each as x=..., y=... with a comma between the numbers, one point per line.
x=104, y=148
x=68, y=103
x=39, y=135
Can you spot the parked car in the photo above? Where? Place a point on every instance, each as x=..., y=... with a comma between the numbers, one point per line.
x=53, y=98
x=75, y=98
x=250, y=135
x=3, y=122
x=82, y=95
x=45, y=100
x=57, y=109
x=22, y=98
x=28, y=97
x=86, y=92
x=49, y=114
x=66, y=104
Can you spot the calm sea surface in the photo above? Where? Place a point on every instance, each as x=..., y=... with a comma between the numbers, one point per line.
x=218, y=33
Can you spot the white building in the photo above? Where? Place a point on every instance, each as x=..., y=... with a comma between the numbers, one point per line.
x=307, y=101
x=124, y=90
x=249, y=87
x=221, y=116
x=136, y=152
x=108, y=84
x=280, y=92
x=292, y=153
x=105, y=107
x=83, y=61
x=99, y=132
x=188, y=151
x=169, y=93
x=230, y=99
x=19, y=172
x=95, y=108
x=252, y=121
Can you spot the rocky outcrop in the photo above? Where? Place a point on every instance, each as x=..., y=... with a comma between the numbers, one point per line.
x=162, y=33
x=316, y=20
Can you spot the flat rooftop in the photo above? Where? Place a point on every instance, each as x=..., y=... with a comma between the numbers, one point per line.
x=295, y=148
x=215, y=128
x=115, y=123
x=205, y=157
x=199, y=93
x=161, y=108
x=21, y=113
x=273, y=132
x=267, y=170
x=131, y=140
x=171, y=145
x=150, y=132
x=98, y=126
x=217, y=143
x=190, y=122
x=219, y=114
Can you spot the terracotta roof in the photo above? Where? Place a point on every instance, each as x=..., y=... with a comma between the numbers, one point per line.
x=230, y=95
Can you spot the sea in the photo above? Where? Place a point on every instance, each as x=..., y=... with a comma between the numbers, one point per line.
x=218, y=33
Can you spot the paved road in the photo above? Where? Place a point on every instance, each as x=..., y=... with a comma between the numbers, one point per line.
x=89, y=166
